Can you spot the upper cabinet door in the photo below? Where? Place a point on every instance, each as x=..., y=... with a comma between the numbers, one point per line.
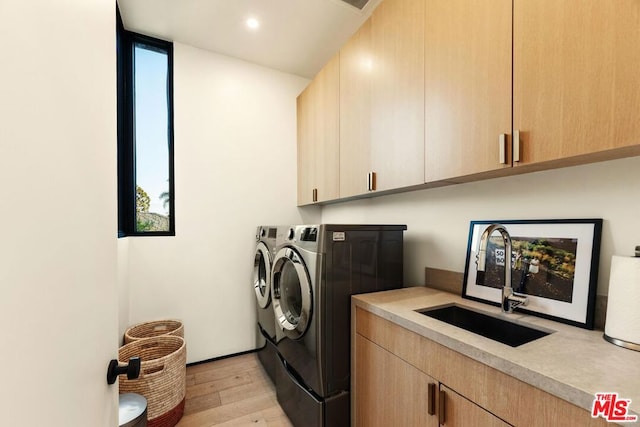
x=467, y=87
x=306, y=166
x=318, y=136
x=397, y=93
x=576, y=79
x=356, y=62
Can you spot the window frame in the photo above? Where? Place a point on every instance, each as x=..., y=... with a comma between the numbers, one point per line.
x=126, y=41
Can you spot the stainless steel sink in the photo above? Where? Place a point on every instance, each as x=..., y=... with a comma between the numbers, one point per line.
x=488, y=326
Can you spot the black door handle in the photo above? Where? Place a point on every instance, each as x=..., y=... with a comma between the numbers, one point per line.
x=132, y=370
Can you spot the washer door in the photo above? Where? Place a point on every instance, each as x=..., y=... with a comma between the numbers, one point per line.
x=262, y=275
x=291, y=293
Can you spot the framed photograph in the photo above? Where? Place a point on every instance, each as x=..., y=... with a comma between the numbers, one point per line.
x=554, y=263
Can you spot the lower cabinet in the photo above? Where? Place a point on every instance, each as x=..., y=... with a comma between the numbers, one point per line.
x=391, y=392
x=400, y=378
x=456, y=410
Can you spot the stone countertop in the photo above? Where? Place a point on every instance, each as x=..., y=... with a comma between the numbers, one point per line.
x=571, y=363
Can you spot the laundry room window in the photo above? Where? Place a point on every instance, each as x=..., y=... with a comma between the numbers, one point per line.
x=146, y=204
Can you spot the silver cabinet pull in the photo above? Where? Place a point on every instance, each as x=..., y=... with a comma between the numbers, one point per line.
x=314, y=195
x=517, y=144
x=502, y=148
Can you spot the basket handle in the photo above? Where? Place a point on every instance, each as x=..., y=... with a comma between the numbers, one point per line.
x=152, y=371
x=149, y=345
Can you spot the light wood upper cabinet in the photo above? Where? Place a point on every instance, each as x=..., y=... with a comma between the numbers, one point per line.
x=397, y=93
x=306, y=166
x=382, y=101
x=356, y=62
x=576, y=84
x=467, y=86
x=440, y=91
x=318, y=136
x=575, y=96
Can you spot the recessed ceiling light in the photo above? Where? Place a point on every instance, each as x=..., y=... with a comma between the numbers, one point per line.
x=253, y=23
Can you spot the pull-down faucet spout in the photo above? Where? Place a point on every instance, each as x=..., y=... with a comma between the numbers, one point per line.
x=510, y=299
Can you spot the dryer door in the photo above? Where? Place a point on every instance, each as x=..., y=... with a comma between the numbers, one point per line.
x=262, y=275
x=291, y=293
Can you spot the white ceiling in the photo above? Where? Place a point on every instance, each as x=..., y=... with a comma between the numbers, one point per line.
x=295, y=36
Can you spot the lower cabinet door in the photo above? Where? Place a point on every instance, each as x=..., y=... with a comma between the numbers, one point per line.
x=456, y=410
x=389, y=391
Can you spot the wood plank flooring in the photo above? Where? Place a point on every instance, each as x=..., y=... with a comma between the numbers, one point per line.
x=231, y=392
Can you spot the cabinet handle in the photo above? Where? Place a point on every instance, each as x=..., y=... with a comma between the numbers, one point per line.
x=441, y=419
x=502, y=148
x=315, y=195
x=517, y=144
x=431, y=399
x=371, y=181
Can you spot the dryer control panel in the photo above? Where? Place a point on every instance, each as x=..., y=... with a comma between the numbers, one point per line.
x=309, y=234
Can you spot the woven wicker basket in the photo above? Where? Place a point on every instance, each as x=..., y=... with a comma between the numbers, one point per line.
x=162, y=379
x=154, y=329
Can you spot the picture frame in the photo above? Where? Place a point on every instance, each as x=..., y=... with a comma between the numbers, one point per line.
x=554, y=263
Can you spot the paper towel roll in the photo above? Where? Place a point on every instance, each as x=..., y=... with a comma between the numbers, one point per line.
x=623, y=306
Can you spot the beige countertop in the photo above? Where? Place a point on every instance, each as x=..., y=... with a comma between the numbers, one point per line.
x=571, y=363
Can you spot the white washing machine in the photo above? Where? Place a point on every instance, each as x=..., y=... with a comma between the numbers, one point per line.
x=266, y=326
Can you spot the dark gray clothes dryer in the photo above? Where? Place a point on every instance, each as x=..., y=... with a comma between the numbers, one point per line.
x=315, y=271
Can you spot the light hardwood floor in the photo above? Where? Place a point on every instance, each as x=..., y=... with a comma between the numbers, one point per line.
x=231, y=392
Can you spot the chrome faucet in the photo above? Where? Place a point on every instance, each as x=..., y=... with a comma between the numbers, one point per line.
x=510, y=299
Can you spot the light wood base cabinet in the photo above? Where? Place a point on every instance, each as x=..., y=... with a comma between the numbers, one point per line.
x=392, y=368
x=456, y=410
x=391, y=391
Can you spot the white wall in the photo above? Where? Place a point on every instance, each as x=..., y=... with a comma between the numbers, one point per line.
x=58, y=304
x=235, y=169
x=123, y=288
x=438, y=219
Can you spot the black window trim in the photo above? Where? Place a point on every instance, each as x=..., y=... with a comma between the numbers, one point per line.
x=126, y=130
